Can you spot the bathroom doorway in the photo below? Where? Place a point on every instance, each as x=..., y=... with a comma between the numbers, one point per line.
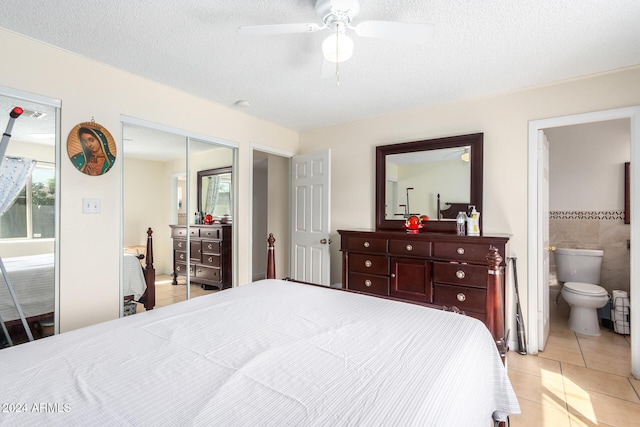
x=587, y=199
x=536, y=299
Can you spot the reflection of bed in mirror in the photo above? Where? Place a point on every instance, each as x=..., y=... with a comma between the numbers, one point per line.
x=32, y=278
x=451, y=212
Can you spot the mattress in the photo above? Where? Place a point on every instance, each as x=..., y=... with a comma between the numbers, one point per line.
x=269, y=353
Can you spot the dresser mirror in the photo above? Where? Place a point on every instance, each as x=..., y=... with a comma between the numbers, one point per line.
x=214, y=192
x=436, y=177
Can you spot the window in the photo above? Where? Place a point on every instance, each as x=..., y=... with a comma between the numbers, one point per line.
x=32, y=215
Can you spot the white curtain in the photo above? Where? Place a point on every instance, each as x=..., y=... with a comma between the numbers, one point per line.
x=14, y=172
x=212, y=193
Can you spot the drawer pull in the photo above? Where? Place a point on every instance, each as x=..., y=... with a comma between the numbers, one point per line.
x=460, y=251
x=367, y=283
x=409, y=247
x=460, y=274
x=210, y=259
x=461, y=297
x=368, y=263
x=178, y=268
x=393, y=275
x=180, y=244
x=181, y=256
x=365, y=244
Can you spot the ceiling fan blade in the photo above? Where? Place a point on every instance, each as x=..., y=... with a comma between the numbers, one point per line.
x=275, y=29
x=398, y=31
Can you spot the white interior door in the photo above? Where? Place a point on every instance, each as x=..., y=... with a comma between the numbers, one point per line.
x=310, y=217
x=543, y=239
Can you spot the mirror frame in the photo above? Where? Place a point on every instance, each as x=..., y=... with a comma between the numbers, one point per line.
x=475, y=141
x=210, y=172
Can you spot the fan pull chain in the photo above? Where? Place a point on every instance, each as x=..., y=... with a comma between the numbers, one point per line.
x=337, y=55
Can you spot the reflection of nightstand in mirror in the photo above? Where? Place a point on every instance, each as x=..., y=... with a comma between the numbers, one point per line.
x=209, y=262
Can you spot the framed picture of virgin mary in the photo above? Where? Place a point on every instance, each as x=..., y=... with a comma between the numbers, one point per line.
x=91, y=148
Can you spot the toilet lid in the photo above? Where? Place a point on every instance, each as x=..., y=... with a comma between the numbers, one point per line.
x=585, y=288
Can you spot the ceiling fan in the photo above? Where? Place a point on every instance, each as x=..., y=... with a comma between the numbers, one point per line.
x=337, y=16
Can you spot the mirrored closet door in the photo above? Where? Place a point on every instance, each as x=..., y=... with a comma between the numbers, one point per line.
x=177, y=217
x=28, y=220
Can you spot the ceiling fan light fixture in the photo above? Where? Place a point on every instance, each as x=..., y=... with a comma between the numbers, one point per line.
x=338, y=47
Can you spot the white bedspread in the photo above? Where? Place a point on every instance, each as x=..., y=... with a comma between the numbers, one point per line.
x=134, y=283
x=32, y=278
x=270, y=353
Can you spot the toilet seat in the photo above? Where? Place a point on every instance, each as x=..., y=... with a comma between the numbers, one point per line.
x=586, y=289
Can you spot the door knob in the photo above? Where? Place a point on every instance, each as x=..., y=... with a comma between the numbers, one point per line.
x=549, y=248
x=325, y=241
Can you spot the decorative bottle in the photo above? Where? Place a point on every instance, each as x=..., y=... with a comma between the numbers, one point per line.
x=473, y=222
x=461, y=223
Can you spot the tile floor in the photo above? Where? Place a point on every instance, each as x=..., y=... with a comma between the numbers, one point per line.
x=577, y=380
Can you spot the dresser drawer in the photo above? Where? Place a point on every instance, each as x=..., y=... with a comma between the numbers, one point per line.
x=179, y=232
x=181, y=269
x=210, y=233
x=410, y=248
x=211, y=246
x=179, y=245
x=372, y=284
x=361, y=244
x=460, y=274
x=180, y=256
x=211, y=260
x=465, y=298
x=369, y=264
x=207, y=273
x=472, y=252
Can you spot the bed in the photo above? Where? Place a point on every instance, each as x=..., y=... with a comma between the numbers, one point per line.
x=32, y=278
x=268, y=353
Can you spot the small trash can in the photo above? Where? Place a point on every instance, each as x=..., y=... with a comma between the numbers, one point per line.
x=620, y=312
x=47, y=327
x=129, y=308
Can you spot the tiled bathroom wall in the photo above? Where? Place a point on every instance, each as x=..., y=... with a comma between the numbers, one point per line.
x=604, y=230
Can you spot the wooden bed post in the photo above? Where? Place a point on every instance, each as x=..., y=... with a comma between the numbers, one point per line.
x=271, y=262
x=150, y=274
x=495, y=299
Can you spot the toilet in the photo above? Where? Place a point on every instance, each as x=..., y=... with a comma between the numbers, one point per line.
x=579, y=270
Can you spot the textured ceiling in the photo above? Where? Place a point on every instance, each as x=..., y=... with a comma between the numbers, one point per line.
x=480, y=47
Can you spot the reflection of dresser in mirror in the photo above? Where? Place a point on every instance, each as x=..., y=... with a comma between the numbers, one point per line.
x=210, y=254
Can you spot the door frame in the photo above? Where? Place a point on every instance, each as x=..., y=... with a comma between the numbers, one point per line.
x=57, y=104
x=275, y=152
x=534, y=249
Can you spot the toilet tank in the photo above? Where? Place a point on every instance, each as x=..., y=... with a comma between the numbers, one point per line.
x=579, y=265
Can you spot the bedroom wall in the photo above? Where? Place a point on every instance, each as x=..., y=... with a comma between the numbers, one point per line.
x=503, y=119
x=90, y=244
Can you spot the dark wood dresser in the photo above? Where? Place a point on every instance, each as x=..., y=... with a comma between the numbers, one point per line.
x=438, y=270
x=210, y=254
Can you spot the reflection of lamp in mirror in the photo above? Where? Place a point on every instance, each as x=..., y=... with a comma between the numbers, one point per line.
x=465, y=155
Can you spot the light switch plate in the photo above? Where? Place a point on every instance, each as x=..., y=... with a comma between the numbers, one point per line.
x=91, y=206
